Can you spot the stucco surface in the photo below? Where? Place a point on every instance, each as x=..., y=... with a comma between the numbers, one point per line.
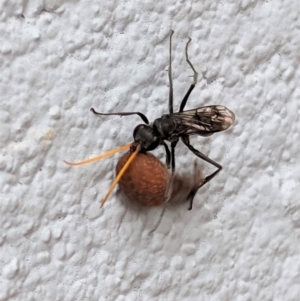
x=60, y=58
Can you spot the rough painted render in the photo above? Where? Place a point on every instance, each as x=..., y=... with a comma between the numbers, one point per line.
x=60, y=58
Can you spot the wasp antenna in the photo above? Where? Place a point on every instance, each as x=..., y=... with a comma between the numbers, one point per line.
x=99, y=157
x=122, y=171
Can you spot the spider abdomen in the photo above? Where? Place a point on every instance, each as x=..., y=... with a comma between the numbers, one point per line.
x=145, y=180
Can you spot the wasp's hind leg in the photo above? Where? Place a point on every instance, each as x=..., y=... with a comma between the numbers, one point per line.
x=185, y=99
x=143, y=117
x=195, y=188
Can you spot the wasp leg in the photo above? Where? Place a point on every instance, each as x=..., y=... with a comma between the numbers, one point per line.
x=143, y=117
x=168, y=155
x=170, y=76
x=185, y=99
x=194, y=189
x=169, y=189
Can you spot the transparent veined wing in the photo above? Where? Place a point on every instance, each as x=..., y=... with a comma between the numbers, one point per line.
x=204, y=121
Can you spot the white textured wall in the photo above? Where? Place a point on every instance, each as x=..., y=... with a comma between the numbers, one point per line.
x=58, y=59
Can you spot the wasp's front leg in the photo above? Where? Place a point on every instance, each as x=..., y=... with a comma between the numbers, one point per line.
x=169, y=189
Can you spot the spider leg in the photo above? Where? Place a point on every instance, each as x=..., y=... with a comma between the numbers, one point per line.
x=185, y=99
x=159, y=220
x=194, y=189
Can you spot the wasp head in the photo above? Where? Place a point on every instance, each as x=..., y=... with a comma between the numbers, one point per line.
x=145, y=136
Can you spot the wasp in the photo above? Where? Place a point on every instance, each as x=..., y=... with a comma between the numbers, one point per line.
x=202, y=121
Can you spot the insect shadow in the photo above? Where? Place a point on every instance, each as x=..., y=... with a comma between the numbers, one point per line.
x=202, y=121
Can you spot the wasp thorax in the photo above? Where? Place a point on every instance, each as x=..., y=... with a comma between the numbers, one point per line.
x=165, y=126
x=146, y=137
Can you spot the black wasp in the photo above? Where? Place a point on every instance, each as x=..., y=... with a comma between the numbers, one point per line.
x=202, y=121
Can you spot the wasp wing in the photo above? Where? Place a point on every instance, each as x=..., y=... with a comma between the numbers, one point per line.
x=204, y=121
